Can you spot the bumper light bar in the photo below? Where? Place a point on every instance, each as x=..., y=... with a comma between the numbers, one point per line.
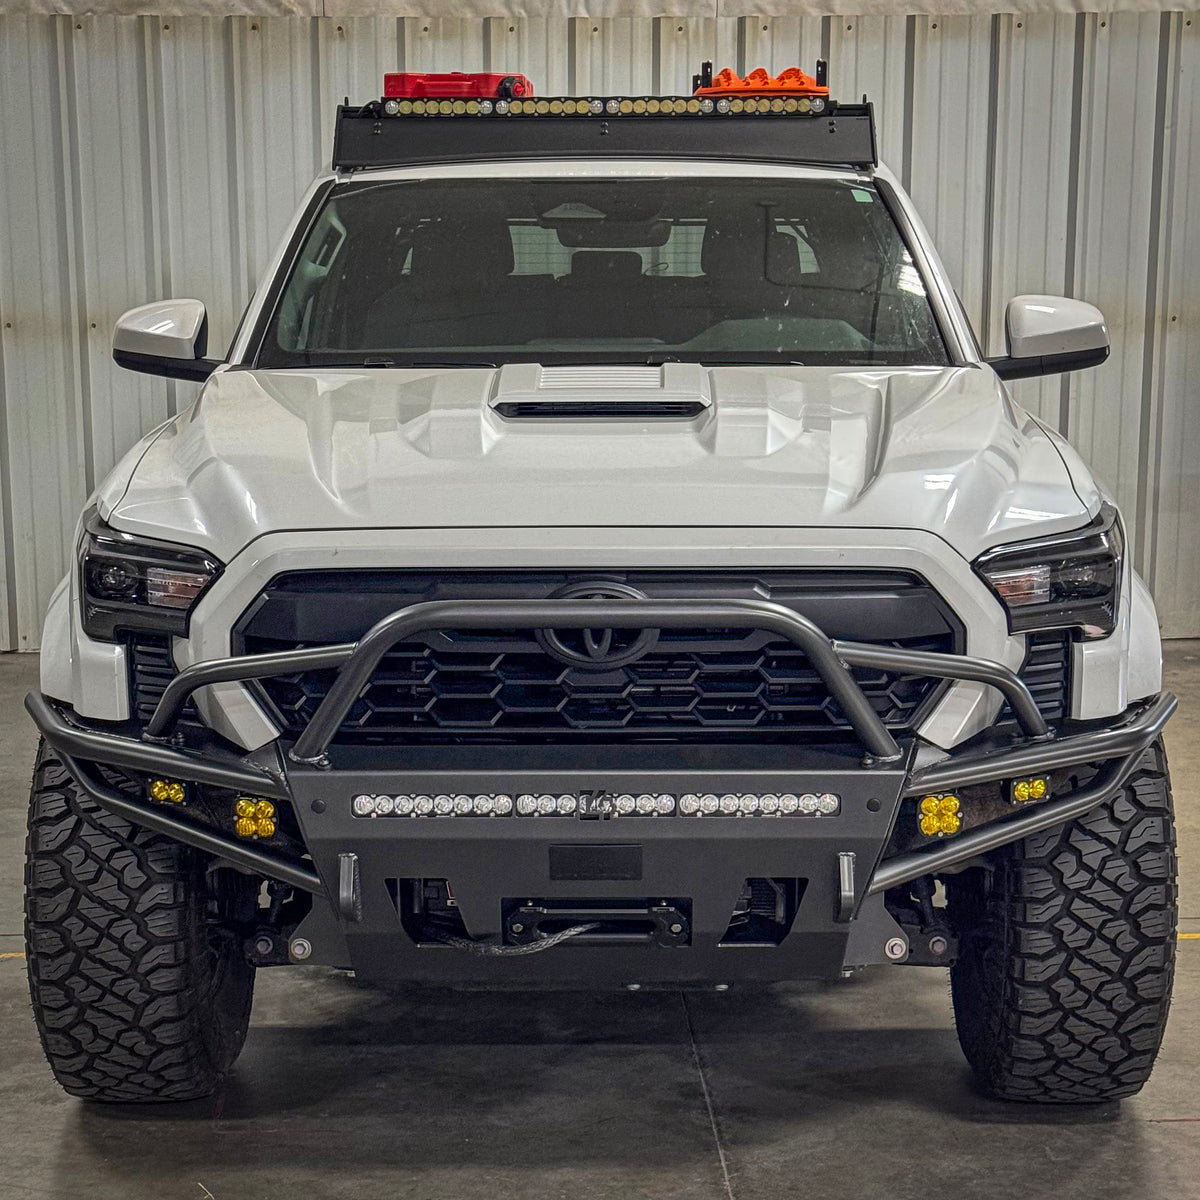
x=589, y=804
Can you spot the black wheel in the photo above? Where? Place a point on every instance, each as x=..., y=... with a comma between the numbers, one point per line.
x=140, y=988
x=1067, y=951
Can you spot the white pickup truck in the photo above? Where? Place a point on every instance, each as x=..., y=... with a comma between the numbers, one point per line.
x=602, y=557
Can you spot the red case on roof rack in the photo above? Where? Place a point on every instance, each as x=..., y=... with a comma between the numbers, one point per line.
x=455, y=85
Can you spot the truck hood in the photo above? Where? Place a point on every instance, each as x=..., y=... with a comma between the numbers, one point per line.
x=938, y=449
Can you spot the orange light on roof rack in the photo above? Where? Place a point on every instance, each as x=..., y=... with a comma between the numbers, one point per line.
x=792, y=82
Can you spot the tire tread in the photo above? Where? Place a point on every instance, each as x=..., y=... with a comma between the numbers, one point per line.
x=120, y=976
x=1063, y=986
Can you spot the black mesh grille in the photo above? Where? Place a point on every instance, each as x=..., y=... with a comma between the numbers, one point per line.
x=714, y=681
x=697, y=683
x=461, y=685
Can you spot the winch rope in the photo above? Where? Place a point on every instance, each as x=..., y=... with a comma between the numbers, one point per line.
x=494, y=950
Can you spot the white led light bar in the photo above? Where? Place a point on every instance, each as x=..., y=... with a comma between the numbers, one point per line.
x=610, y=805
x=610, y=106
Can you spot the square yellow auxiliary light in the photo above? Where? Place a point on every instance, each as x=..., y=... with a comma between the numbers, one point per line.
x=1035, y=787
x=939, y=816
x=253, y=818
x=167, y=791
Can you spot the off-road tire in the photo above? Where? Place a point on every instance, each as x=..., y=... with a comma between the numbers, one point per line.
x=137, y=996
x=1067, y=951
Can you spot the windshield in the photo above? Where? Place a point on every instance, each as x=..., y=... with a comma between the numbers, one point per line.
x=487, y=271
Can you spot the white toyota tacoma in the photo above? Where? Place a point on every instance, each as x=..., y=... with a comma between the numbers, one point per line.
x=603, y=557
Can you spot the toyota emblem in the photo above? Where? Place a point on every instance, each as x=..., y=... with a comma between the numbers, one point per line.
x=597, y=649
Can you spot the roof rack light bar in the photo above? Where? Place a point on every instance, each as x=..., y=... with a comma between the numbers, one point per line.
x=781, y=128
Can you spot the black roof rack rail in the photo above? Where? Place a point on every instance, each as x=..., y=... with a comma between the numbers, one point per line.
x=367, y=137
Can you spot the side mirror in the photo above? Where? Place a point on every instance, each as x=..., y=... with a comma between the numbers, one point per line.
x=1048, y=334
x=169, y=337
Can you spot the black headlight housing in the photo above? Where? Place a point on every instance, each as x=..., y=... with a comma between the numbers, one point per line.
x=129, y=584
x=1070, y=581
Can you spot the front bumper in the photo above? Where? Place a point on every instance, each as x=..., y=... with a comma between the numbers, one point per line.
x=840, y=866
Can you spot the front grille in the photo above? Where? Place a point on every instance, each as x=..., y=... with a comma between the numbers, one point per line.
x=708, y=684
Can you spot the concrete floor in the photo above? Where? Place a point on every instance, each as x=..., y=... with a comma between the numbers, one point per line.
x=857, y=1090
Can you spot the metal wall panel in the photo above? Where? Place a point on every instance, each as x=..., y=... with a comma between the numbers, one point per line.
x=149, y=156
x=1032, y=220
x=1113, y=247
x=1172, y=408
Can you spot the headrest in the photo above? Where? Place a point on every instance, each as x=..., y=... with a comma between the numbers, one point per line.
x=733, y=245
x=451, y=250
x=740, y=248
x=605, y=266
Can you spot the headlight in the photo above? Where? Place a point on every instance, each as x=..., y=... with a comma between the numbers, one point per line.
x=1069, y=581
x=133, y=583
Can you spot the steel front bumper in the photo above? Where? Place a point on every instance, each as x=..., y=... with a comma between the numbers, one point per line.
x=353, y=865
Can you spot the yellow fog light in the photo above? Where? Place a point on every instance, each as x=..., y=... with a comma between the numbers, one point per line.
x=1035, y=788
x=940, y=816
x=254, y=818
x=167, y=791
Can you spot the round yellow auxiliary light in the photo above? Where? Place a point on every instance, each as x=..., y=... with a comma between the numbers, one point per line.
x=264, y=827
x=245, y=827
x=626, y=107
x=556, y=107
x=167, y=791
x=244, y=807
x=639, y=106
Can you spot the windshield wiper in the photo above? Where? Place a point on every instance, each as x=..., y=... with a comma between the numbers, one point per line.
x=406, y=363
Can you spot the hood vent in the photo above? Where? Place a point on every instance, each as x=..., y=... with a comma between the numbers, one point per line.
x=674, y=390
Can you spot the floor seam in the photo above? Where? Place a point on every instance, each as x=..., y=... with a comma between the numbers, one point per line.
x=708, y=1104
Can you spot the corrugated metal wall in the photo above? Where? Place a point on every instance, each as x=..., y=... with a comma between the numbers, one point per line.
x=144, y=157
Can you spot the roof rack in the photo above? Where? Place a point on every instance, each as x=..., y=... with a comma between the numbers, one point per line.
x=786, y=119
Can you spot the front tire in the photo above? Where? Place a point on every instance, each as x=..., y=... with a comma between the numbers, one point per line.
x=140, y=991
x=1067, y=951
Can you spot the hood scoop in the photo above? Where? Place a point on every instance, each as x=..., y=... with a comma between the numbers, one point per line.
x=528, y=390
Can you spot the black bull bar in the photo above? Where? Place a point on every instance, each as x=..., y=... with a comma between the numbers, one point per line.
x=1116, y=746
